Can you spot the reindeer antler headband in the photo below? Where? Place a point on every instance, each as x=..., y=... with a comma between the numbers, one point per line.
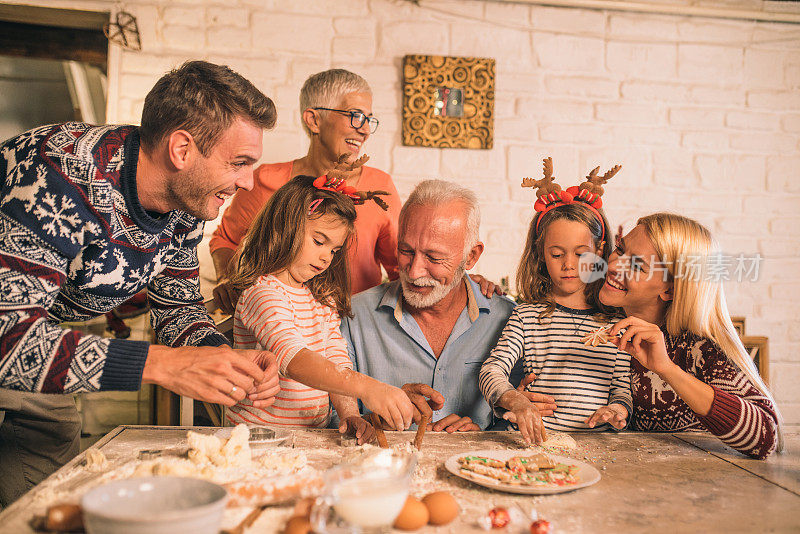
x=551, y=196
x=335, y=180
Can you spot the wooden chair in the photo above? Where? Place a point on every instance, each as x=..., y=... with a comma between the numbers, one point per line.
x=756, y=346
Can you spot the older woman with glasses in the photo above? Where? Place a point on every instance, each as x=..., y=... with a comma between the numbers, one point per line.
x=336, y=108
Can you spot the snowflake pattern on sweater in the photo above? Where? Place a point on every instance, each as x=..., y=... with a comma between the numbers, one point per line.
x=741, y=416
x=74, y=244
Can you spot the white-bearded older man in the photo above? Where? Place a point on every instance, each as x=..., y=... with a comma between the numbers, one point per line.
x=430, y=331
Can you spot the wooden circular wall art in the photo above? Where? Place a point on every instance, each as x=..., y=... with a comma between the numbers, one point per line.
x=448, y=102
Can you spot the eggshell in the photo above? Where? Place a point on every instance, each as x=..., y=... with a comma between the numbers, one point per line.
x=442, y=507
x=298, y=525
x=414, y=515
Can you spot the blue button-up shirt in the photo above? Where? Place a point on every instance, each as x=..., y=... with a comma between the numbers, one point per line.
x=387, y=344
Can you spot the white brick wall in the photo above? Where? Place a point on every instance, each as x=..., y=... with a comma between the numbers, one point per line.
x=704, y=114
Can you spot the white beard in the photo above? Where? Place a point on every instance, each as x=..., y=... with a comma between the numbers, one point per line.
x=439, y=292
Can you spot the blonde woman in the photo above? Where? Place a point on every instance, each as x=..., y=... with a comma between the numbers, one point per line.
x=689, y=369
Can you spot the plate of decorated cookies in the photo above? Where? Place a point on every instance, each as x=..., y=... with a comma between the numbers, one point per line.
x=519, y=471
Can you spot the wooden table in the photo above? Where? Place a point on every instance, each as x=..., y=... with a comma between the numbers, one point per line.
x=685, y=482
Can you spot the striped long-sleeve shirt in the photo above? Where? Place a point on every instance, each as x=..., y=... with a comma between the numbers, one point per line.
x=273, y=316
x=581, y=379
x=741, y=416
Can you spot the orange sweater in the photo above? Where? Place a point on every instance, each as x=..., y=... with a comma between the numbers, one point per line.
x=375, y=242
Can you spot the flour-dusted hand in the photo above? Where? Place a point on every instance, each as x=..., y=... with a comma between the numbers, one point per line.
x=357, y=426
x=613, y=414
x=544, y=403
x=525, y=415
x=390, y=402
x=213, y=374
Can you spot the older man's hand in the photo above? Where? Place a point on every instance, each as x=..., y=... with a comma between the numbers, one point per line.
x=544, y=403
x=424, y=398
x=488, y=288
x=454, y=423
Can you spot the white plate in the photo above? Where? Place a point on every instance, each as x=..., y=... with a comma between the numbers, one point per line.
x=586, y=475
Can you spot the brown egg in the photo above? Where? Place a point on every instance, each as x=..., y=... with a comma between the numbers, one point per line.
x=414, y=515
x=297, y=525
x=442, y=507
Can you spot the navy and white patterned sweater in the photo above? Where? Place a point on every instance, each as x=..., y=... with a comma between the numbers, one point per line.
x=74, y=243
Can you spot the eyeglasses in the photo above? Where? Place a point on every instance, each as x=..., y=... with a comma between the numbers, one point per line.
x=357, y=118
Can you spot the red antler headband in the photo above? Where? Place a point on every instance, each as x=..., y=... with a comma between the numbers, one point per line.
x=335, y=180
x=551, y=196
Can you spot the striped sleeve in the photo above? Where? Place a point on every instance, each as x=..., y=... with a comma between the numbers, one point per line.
x=265, y=313
x=620, y=390
x=493, y=379
x=336, y=350
x=740, y=416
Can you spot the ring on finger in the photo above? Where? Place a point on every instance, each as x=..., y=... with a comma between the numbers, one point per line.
x=234, y=389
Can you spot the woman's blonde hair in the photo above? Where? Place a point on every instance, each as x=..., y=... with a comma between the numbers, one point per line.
x=277, y=234
x=533, y=281
x=698, y=300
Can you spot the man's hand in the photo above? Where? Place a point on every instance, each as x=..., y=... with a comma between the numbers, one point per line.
x=226, y=296
x=454, y=423
x=488, y=288
x=425, y=399
x=613, y=414
x=213, y=374
x=355, y=425
x=544, y=403
x=266, y=391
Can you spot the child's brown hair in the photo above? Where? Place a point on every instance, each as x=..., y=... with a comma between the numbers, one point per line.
x=533, y=281
x=277, y=234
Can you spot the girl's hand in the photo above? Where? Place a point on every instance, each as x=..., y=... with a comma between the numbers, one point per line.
x=544, y=403
x=614, y=414
x=526, y=416
x=391, y=403
x=645, y=342
x=355, y=425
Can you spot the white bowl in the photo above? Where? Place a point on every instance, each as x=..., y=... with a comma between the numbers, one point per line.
x=154, y=505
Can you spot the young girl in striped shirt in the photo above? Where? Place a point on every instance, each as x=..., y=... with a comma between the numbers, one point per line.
x=293, y=271
x=589, y=384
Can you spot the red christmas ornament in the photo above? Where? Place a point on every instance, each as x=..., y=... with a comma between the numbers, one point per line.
x=499, y=517
x=540, y=527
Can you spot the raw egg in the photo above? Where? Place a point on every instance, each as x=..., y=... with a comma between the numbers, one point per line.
x=414, y=515
x=442, y=507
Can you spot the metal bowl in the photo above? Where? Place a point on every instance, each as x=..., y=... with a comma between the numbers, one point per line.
x=154, y=505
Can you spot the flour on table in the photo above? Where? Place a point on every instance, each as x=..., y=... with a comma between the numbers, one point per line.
x=559, y=440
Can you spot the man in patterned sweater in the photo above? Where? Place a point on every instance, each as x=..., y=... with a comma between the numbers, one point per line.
x=91, y=215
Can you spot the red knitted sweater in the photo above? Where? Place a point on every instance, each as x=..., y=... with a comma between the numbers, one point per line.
x=741, y=416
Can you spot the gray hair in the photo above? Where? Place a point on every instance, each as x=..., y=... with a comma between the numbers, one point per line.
x=325, y=89
x=438, y=192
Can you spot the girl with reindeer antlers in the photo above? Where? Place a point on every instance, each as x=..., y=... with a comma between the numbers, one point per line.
x=558, y=330
x=293, y=272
